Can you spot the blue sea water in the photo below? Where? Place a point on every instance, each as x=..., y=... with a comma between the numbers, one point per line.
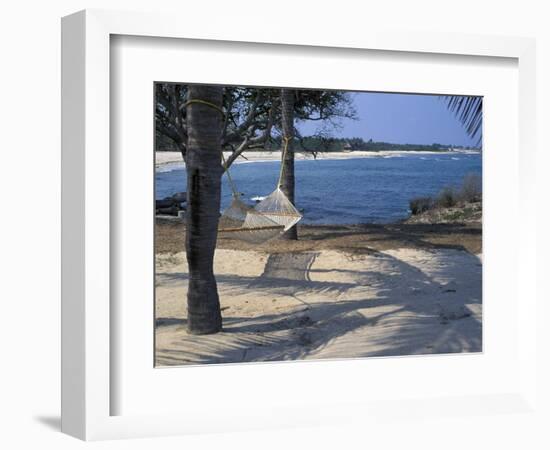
x=344, y=191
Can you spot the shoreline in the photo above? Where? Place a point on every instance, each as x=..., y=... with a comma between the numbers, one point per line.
x=163, y=159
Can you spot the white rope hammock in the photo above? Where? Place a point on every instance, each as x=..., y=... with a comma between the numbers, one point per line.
x=278, y=208
x=242, y=222
x=271, y=217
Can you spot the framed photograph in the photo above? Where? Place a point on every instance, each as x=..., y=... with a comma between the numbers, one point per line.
x=296, y=231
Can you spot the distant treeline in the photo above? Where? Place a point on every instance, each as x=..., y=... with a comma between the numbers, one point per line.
x=321, y=144
x=358, y=144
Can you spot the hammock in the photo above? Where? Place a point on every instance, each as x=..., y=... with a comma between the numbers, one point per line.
x=278, y=208
x=242, y=222
x=270, y=217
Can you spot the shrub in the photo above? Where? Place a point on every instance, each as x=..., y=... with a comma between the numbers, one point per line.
x=470, y=191
x=420, y=204
x=447, y=197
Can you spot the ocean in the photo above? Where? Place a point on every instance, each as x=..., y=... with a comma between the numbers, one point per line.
x=343, y=191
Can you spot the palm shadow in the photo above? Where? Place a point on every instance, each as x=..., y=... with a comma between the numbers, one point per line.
x=412, y=322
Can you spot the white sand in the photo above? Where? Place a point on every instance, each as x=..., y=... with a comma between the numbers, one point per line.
x=325, y=304
x=163, y=158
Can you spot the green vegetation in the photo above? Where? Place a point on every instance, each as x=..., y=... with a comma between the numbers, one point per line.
x=462, y=197
x=316, y=144
x=331, y=144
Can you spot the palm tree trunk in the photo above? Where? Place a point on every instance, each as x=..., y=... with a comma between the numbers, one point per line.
x=287, y=183
x=204, y=171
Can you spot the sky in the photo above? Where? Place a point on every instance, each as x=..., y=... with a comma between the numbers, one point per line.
x=401, y=119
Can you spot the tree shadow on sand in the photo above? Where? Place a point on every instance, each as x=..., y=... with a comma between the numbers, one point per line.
x=375, y=315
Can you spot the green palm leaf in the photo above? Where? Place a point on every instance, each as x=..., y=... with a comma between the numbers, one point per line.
x=469, y=110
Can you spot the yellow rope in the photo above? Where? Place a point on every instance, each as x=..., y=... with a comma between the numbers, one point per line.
x=204, y=102
x=285, y=148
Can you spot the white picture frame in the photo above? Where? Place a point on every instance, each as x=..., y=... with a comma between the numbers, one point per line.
x=88, y=387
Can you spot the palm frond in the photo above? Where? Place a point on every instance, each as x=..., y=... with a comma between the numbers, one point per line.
x=469, y=110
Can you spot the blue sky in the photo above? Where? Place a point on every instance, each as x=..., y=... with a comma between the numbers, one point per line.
x=400, y=118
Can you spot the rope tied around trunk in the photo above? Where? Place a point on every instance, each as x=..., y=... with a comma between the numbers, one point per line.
x=206, y=103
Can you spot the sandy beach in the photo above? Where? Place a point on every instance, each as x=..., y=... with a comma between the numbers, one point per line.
x=338, y=292
x=167, y=158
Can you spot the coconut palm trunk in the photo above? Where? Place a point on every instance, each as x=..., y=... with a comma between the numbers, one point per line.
x=287, y=182
x=204, y=172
